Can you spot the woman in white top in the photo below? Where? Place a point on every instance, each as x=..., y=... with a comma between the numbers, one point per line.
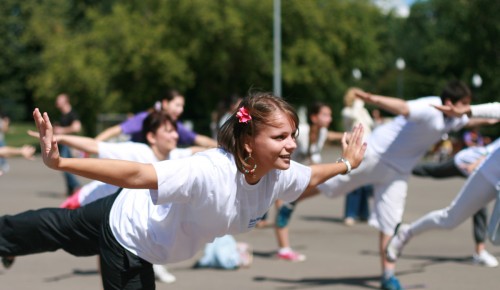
x=481, y=187
x=158, y=130
x=184, y=203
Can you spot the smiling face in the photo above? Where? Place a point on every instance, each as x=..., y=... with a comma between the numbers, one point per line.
x=273, y=145
x=323, y=118
x=174, y=107
x=163, y=140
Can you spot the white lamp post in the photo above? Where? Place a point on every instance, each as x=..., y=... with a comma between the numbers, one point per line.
x=400, y=65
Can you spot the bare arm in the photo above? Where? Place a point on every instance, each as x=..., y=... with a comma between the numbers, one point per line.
x=205, y=141
x=333, y=136
x=390, y=104
x=488, y=110
x=116, y=172
x=353, y=151
x=27, y=151
x=82, y=143
x=109, y=133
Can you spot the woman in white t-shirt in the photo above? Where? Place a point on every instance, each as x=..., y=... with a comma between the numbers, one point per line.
x=185, y=203
x=160, y=134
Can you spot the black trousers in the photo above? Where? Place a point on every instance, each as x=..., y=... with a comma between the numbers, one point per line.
x=81, y=232
x=447, y=169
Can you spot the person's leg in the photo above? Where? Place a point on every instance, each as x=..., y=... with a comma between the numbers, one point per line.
x=364, y=207
x=475, y=194
x=352, y=206
x=72, y=182
x=120, y=269
x=390, y=197
x=437, y=170
x=481, y=256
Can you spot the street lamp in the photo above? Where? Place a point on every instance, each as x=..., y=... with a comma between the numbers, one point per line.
x=477, y=81
x=400, y=65
x=356, y=74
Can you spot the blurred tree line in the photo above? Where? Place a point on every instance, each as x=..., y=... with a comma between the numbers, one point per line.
x=121, y=56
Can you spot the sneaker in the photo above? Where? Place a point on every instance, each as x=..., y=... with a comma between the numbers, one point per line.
x=162, y=275
x=397, y=242
x=283, y=216
x=486, y=259
x=391, y=283
x=72, y=202
x=349, y=221
x=246, y=254
x=291, y=256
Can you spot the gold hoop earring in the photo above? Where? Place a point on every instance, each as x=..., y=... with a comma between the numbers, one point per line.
x=251, y=171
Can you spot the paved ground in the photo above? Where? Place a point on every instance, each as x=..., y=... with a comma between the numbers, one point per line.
x=338, y=257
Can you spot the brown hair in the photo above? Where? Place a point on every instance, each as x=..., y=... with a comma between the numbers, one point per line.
x=261, y=107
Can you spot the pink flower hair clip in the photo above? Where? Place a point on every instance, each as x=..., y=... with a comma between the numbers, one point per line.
x=243, y=115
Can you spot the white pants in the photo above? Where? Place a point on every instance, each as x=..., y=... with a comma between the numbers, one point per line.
x=475, y=194
x=389, y=190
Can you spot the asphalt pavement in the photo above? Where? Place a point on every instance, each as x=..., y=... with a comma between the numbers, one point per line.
x=338, y=257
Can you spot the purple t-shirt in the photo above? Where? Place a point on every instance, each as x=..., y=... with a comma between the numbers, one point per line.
x=133, y=127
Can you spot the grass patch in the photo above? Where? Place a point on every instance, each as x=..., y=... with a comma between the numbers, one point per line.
x=17, y=136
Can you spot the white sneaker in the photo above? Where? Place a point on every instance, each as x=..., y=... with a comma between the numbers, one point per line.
x=397, y=242
x=162, y=275
x=486, y=259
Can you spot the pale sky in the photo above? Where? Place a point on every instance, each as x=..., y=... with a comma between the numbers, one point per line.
x=402, y=7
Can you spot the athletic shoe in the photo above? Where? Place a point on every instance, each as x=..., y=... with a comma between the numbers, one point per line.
x=162, y=275
x=283, y=216
x=291, y=256
x=486, y=259
x=349, y=221
x=246, y=254
x=397, y=242
x=72, y=201
x=391, y=283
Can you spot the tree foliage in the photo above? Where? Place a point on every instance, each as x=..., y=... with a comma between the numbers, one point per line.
x=120, y=56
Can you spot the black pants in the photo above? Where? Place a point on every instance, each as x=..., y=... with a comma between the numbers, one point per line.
x=447, y=169
x=81, y=232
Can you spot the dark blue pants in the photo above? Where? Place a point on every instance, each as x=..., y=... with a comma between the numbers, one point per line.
x=72, y=182
x=357, y=203
x=81, y=232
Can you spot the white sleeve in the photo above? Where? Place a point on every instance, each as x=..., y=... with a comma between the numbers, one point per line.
x=295, y=181
x=489, y=110
x=182, y=180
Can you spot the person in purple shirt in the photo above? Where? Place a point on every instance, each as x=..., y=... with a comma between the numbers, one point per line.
x=173, y=105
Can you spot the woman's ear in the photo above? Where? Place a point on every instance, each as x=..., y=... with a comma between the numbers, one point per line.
x=248, y=145
x=150, y=138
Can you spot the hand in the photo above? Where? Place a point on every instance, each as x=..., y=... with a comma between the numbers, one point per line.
x=27, y=151
x=354, y=150
x=451, y=110
x=33, y=133
x=48, y=144
x=366, y=97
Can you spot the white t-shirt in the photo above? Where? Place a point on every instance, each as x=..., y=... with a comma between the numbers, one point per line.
x=131, y=151
x=301, y=154
x=489, y=110
x=198, y=199
x=472, y=154
x=403, y=141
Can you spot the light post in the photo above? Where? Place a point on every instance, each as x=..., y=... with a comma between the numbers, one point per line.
x=400, y=65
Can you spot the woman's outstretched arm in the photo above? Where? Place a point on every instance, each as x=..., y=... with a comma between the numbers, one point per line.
x=116, y=172
x=353, y=151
